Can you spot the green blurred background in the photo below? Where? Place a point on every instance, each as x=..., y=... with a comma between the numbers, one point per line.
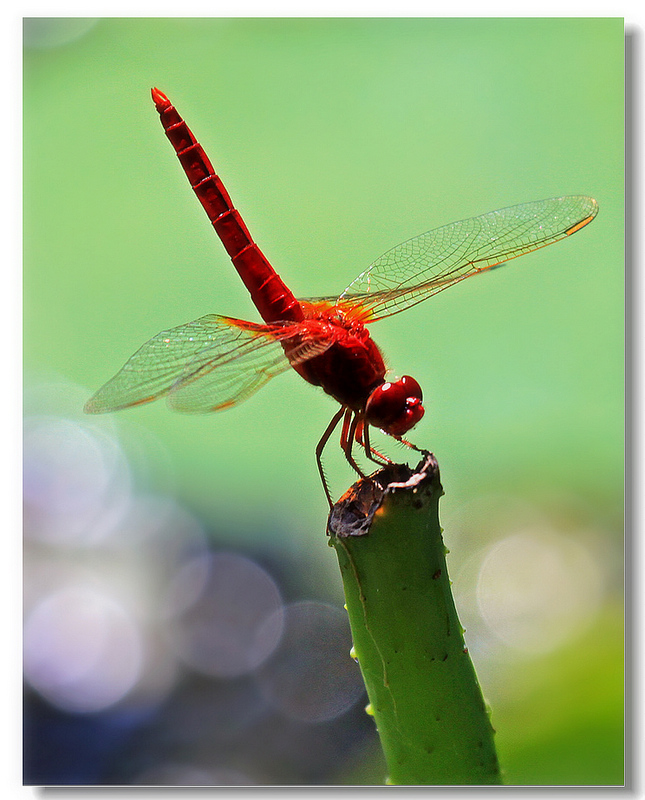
x=337, y=139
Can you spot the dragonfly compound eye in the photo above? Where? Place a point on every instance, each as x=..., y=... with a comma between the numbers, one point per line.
x=395, y=406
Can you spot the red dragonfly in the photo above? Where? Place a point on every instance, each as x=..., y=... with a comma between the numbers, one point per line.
x=215, y=362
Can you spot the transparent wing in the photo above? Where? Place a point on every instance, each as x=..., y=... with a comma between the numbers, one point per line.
x=427, y=264
x=219, y=378
x=204, y=365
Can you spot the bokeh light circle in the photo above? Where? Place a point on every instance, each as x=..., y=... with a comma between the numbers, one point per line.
x=536, y=589
x=228, y=611
x=48, y=32
x=82, y=651
x=76, y=481
x=311, y=677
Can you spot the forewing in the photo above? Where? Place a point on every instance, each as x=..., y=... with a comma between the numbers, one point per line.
x=247, y=356
x=427, y=264
x=216, y=379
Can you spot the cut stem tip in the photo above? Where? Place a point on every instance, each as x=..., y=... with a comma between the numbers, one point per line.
x=352, y=515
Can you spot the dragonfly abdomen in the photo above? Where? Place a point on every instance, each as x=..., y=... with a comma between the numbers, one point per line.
x=273, y=299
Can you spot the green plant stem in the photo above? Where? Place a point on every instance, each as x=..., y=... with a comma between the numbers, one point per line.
x=423, y=690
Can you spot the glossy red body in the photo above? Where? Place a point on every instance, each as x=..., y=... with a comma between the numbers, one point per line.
x=271, y=296
x=214, y=362
x=352, y=367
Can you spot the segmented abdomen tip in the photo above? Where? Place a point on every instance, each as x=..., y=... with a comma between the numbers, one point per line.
x=160, y=100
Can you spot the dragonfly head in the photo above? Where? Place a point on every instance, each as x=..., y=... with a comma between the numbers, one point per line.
x=395, y=406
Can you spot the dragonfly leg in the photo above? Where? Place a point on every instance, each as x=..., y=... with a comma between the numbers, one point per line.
x=348, y=433
x=370, y=452
x=321, y=446
x=410, y=445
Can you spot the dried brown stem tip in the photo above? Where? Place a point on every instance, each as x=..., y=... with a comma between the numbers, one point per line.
x=353, y=513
